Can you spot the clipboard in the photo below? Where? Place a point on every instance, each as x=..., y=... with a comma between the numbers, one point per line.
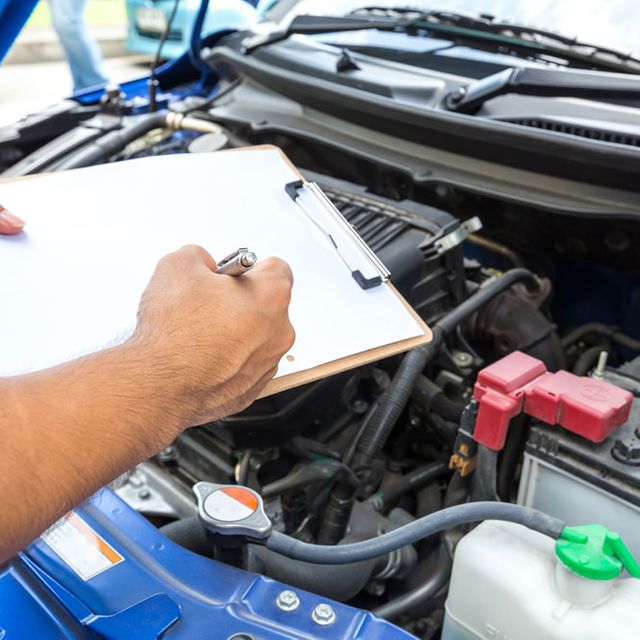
x=357, y=256
x=293, y=380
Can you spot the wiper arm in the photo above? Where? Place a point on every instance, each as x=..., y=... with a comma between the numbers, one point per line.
x=471, y=25
x=545, y=83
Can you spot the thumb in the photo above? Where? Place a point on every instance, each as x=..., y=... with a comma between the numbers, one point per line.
x=10, y=224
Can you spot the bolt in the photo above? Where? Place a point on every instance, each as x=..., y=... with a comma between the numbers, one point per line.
x=463, y=359
x=359, y=406
x=144, y=494
x=288, y=601
x=324, y=614
x=598, y=374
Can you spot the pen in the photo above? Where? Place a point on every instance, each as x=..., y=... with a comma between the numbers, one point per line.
x=237, y=263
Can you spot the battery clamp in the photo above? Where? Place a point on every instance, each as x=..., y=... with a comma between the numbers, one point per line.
x=519, y=384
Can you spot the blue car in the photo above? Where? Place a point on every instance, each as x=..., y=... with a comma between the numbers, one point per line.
x=148, y=19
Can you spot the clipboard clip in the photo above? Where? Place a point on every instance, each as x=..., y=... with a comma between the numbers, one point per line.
x=293, y=190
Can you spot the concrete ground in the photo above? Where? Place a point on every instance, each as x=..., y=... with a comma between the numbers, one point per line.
x=25, y=88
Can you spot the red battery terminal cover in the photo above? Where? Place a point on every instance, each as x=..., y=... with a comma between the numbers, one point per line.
x=519, y=384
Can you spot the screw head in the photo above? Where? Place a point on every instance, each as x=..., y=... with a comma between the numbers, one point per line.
x=288, y=601
x=323, y=614
x=144, y=494
x=463, y=359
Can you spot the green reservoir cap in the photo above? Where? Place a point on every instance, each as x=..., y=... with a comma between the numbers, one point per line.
x=595, y=552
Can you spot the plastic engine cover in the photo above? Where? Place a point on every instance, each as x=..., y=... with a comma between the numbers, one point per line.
x=113, y=575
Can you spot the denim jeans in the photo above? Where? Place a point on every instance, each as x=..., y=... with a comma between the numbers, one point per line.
x=82, y=52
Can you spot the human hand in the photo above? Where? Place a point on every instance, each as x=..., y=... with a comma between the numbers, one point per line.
x=214, y=341
x=10, y=224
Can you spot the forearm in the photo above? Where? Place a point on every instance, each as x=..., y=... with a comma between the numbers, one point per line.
x=70, y=430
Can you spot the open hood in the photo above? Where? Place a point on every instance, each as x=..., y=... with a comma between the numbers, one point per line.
x=13, y=15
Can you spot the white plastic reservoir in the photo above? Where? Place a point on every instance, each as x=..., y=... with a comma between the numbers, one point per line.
x=508, y=585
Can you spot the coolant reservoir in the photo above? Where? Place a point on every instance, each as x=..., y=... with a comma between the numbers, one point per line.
x=510, y=583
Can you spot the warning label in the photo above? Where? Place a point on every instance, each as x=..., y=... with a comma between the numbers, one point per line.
x=87, y=553
x=230, y=504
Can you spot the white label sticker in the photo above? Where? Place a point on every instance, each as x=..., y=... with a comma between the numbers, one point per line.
x=87, y=553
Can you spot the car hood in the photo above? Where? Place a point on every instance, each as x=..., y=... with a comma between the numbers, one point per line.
x=13, y=15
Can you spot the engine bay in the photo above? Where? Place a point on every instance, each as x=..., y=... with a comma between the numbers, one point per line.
x=500, y=261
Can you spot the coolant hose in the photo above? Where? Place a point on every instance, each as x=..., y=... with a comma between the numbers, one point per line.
x=423, y=593
x=396, y=396
x=424, y=527
x=115, y=141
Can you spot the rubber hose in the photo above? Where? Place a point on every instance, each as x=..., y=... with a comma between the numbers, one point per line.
x=338, y=582
x=413, y=481
x=603, y=329
x=190, y=534
x=113, y=142
x=421, y=594
x=394, y=399
x=318, y=470
x=433, y=399
x=417, y=530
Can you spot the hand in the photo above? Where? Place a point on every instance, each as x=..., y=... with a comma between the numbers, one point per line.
x=9, y=223
x=214, y=340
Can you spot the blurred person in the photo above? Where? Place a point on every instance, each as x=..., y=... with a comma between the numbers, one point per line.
x=82, y=52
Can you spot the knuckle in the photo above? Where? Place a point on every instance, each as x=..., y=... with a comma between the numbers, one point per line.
x=280, y=267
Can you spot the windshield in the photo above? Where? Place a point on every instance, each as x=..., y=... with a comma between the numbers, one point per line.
x=609, y=23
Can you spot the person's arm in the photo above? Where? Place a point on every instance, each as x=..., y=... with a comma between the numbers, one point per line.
x=204, y=347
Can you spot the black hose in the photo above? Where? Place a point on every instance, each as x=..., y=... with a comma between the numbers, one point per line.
x=190, y=534
x=424, y=527
x=394, y=399
x=113, y=142
x=319, y=470
x=598, y=327
x=412, y=481
x=433, y=399
x=338, y=582
x=422, y=593
x=244, y=467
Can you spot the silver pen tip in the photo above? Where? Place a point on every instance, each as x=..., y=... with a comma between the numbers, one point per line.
x=248, y=259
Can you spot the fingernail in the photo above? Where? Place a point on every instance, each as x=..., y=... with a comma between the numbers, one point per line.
x=10, y=219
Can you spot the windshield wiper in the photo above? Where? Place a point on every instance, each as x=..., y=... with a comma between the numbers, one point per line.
x=486, y=27
x=547, y=83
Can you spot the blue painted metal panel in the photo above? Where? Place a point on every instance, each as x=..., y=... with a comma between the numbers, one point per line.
x=158, y=582
x=13, y=15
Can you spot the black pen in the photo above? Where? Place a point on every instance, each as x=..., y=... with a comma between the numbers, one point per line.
x=237, y=263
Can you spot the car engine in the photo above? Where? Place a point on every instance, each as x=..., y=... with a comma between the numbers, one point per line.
x=533, y=298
